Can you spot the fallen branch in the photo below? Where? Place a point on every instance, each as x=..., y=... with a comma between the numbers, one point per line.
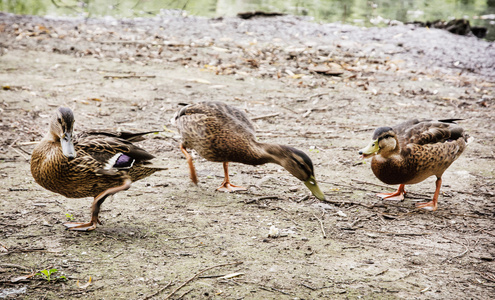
x=158, y=292
x=197, y=274
x=128, y=76
x=186, y=237
x=270, y=289
x=308, y=286
x=321, y=226
x=15, y=266
x=396, y=233
x=349, y=203
x=264, y=117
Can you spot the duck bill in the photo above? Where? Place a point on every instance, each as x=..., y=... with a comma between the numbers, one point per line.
x=369, y=150
x=67, y=145
x=314, y=188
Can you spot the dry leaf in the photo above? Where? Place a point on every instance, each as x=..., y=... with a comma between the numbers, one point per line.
x=84, y=285
x=24, y=277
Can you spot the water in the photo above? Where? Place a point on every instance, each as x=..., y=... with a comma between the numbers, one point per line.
x=356, y=12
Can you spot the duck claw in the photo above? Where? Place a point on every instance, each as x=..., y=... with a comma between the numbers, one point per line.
x=80, y=226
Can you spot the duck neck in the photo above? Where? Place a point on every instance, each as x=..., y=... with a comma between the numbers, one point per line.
x=273, y=153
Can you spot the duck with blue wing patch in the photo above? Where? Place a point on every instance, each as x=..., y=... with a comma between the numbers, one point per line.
x=413, y=151
x=223, y=133
x=90, y=164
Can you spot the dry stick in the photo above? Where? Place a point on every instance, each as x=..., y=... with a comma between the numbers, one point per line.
x=308, y=286
x=288, y=215
x=318, y=95
x=186, y=237
x=486, y=277
x=265, y=116
x=180, y=297
x=197, y=274
x=128, y=76
x=396, y=233
x=19, y=152
x=349, y=202
x=270, y=289
x=158, y=292
x=14, y=266
x=289, y=109
x=321, y=226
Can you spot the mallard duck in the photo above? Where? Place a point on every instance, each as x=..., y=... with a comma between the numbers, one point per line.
x=413, y=151
x=222, y=133
x=92, y=164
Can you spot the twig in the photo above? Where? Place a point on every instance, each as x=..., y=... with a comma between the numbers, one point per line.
x=180, y=297
x=28, y=143
x=266, y=198
x=321, y=226
x=397, y=233
x=128, y=76
x=463, y=253
x=307, y=113
x=459, y=255
x=308, y=286
x=158, y=292
x=96, y=243
x=22, y=154
x=26, y=250
x=317, y=95
x=282, y=209
x=197, y=274
x=289, y=109
x=349, y=202
x=270, y=289
x=265, y=116
x=186, y=237
x=15, y=266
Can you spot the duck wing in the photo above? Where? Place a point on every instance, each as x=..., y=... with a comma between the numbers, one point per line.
x=431, y=132
x=226, y=114
x=107, y=154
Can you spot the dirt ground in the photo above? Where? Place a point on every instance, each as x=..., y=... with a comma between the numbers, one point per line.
x=167, y=238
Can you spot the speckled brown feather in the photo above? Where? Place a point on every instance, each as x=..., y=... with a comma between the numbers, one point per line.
x=424, y=149
x=79, y=177
x=219, y=133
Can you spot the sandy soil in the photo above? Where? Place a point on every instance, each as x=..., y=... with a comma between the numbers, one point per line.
x=166, y=238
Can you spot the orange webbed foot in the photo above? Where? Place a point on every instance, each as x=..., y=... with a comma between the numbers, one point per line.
x=397, y=195
x=81, y=226
x=431, y=206
x=228, y=187
x=391, y=196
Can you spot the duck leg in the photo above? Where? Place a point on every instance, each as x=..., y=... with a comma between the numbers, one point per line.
x=95, y=208
x=226, y=186
x=192, y=170
x=397, y=195
x=432, y=205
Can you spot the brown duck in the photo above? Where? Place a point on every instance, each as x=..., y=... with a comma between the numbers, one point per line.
x=92, y=164
x=413, y=151
x=222, y=133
